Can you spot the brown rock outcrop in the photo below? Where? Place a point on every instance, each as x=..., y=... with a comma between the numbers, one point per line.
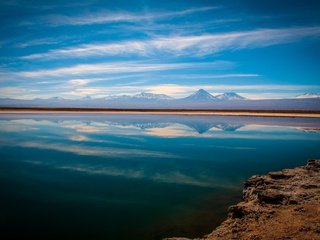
x=280, y=205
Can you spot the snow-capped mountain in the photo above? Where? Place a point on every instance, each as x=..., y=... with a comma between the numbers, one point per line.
x=153, y=96
x=200, y=95
x=309, y=95
x=230, y=96
x=117, y=97
x=140, y=96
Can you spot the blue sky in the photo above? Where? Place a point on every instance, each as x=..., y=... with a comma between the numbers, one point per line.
x=73, y=49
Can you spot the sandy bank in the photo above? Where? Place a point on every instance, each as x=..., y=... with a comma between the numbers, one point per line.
x=279, y=205
x=259, y=113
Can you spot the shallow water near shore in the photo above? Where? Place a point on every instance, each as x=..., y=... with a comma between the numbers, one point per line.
x=120, y=176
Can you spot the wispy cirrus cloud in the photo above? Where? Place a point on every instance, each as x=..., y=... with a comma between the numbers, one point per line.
x=15, y=91
x=37, y=42
x=41, y=42
x=211, y=76
x=195, y=45
x=108, y=16
x=84, y=81
x=105, y=152
x=96, y=151
x=44, y=5
x=117, y=67
x=164, y=28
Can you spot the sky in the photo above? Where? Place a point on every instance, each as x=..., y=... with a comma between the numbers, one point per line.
x=74, y=49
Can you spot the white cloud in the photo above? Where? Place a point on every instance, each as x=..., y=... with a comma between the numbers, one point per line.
x=171, y=131
x=175, y=177
x=116, y=67
x=158, y=29
x=185, y=45
x=38, y=42
x=115, y=17
x=78, y=82
x=211, y=76
x=85, y=81
x=7, y=92
x=104, y=152
x=80, y=138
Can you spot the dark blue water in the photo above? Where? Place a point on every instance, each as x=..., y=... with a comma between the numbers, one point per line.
x=87, y=176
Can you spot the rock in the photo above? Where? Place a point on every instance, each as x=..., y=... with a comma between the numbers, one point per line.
x=300, y=209
x=313, y=165
x=308, y=186
x=237, y=211
x=279, y=205
x=293, y=201
x=279, y=175
x=272, y=196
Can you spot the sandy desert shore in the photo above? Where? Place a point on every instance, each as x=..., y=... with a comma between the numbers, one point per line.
x=259, y=113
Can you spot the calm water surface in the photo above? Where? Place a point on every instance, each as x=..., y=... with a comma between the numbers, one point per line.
x=91, y=176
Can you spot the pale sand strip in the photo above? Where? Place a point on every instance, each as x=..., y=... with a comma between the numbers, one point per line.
x=229, y=113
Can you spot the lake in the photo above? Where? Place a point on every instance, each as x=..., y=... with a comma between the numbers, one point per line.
x=118, y=176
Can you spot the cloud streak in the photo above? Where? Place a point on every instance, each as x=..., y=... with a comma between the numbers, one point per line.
x=202, y=45
x=104, y=152
x=38, y=42
x=103, y=17
x=116, y=67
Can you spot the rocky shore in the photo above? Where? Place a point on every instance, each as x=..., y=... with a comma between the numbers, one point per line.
x=280, y=205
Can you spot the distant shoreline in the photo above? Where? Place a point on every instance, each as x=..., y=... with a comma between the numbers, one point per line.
x=223, y=112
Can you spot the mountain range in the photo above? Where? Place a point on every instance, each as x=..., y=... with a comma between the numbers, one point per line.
x=200, y=95
x=309, y=95
x=200, y=99
x=141, y=96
